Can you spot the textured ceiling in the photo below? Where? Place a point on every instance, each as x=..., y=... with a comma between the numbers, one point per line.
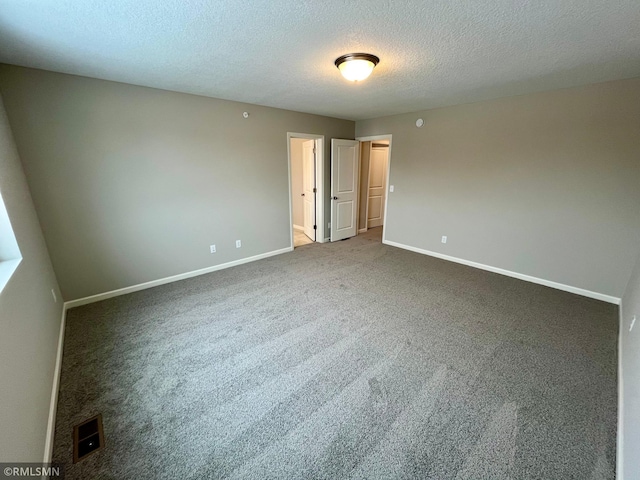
x=280, y=53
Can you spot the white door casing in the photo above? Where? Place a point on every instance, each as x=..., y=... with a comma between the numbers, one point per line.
x=309, y=187
x=321, y=198
x=387, y=137
x=377, y=186
x=345, y=173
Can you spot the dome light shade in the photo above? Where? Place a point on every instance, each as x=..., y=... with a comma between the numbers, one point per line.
x=355, y=67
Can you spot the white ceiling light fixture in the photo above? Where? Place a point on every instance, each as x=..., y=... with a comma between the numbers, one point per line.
x=356, y=67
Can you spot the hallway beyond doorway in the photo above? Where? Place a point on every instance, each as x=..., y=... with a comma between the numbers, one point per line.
x=299, y=238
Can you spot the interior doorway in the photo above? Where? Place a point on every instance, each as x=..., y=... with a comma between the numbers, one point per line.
x=306, y=207
x=375, y=155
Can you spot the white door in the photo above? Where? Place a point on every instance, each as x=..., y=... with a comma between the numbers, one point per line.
x=345, y=168
x=309, y=188
x=377, y=186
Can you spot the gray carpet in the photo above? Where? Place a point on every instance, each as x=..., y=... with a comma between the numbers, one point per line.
x=344, y=360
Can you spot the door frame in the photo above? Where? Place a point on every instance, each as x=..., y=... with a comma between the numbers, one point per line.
x=319, y=183
x=366, y=204
x=371, y=147
x=372, y=138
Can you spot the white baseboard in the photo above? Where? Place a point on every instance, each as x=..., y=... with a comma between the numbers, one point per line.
x=48, y=449
x=298, y=227
x=154, y=283
x=508, y=273
x=620, y=437
x=362, y=230
x=53, y=405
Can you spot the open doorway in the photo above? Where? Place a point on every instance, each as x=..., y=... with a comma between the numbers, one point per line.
x=375, y=156
x=305, y=188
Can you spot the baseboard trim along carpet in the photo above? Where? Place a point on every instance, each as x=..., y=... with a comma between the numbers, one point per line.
x=508, y=273
x=162, y=281
x=416, y=368
x=53, y=406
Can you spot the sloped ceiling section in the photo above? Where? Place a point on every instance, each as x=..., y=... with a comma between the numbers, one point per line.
x=280, y=53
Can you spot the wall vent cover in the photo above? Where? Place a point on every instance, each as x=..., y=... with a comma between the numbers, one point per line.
x=88, y=438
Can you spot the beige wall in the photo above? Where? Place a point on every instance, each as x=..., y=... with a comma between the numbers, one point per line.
x=296, y=181
x=630, y=379
x=29, y=320
x=544, y=185
x=133, y=184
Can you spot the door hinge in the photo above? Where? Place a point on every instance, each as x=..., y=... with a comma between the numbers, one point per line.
x=315, y=227
x=314, y=190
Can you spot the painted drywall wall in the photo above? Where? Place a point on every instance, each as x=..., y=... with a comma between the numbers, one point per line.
x=629, y=446
x=296, y=181
x=365, y=150
x=133, y=184
x=544, y=185
x=29, y=320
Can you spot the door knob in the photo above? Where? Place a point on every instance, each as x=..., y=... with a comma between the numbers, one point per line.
x=335, y=198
